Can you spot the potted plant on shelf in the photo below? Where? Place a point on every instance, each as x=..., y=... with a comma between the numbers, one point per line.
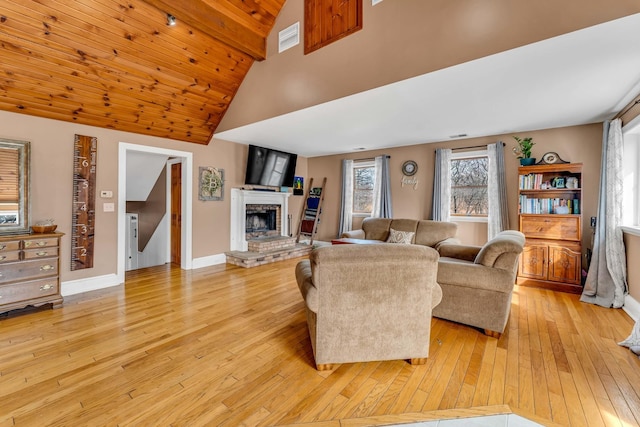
x=523, y=150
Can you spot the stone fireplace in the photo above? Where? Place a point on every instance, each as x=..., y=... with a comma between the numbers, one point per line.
x=257, y=214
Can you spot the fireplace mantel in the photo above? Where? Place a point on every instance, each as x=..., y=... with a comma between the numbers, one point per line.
x=239, y=201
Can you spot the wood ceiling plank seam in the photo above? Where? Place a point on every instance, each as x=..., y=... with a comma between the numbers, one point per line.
x=76, y=47
x=231, y=57
x=270, y=7
x=146, y=122
x=98, y=79
x=147, y=76
x=218, y=25
x=25, y=98
x=185, y=38
x=188, y=117
x=151, y=130
x=138, y=83
x=107, y=49
x=248, y=12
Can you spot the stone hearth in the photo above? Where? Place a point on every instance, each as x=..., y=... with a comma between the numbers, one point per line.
x=265, y=239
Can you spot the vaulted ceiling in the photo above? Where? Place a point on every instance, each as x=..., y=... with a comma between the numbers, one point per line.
x=117, y=64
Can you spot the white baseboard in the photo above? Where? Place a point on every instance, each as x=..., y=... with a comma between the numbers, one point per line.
x=73, y=287
x=631, y=307
x=208, y=261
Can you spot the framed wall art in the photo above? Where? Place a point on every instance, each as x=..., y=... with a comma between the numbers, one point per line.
x=210, y=183
x=298, y=186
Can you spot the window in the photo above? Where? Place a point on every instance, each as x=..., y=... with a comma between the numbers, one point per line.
x=469, y=177
x=364, y=176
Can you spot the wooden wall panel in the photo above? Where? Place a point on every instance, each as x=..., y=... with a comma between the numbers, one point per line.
x=326, y=21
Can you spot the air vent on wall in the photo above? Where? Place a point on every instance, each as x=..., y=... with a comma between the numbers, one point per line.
x=289, y=37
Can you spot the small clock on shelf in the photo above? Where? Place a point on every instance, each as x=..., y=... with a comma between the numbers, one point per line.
x=409, y=168
x=550, y=158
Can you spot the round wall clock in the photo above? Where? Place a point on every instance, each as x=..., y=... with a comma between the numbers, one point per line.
x=409, y=168
x=551, y=158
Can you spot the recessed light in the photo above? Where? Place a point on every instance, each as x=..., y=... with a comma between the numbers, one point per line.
x=460, y=135
x=171, y=20
x=359, y=149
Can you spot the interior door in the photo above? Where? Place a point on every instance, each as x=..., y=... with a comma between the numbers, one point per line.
x=176, y=212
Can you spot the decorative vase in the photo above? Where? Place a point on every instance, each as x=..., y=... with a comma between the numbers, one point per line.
x=528, y=161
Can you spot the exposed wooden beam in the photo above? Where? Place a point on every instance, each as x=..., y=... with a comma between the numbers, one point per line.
x=219, y=21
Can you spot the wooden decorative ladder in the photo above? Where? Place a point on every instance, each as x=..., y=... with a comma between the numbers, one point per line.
x=311, y=211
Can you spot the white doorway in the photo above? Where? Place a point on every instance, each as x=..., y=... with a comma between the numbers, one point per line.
x=184, y=157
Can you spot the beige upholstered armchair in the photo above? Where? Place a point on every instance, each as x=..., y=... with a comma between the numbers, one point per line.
x=369, y=302
x=477, y=282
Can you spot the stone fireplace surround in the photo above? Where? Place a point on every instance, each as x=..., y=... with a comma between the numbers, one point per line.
x=239, y=201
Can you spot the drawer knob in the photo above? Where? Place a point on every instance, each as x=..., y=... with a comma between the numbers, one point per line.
x=3, y=257
x=41, y=244
x=47, y=267
x=41, y=253
x=46, y=287
x=2, y=246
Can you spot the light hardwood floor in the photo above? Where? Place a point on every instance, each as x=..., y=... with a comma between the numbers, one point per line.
x=229, y=346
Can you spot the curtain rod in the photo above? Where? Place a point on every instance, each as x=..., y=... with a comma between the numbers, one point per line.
x=367, y=159
x=626, y=110
x=474, y=146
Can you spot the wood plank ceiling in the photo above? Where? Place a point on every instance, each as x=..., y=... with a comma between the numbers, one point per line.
x=117, y=64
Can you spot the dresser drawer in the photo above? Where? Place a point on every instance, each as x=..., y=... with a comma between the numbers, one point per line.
x=551, y=227
x=12, y=245
x=40, y=253
x=9, y=256
x=26, y=270
x=28, y=290
x=40, y=243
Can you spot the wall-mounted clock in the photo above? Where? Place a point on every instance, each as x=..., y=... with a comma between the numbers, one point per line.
x=409, y=168
x=550, y=158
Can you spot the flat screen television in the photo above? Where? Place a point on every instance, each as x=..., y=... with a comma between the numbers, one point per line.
x=266, y=166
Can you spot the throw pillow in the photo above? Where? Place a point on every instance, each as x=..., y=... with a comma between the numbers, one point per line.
x=396, y=236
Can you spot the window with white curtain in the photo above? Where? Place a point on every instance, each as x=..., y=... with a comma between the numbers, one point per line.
x=469, y=178
x=631, y=175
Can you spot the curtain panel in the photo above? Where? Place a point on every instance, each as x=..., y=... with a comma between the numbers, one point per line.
x=382, y=189
x=346, y=200
x=606, y=282
x=441, y=210
x=498, y=218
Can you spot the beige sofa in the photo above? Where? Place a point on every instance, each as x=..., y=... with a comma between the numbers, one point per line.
x=477, y=282
x=425, y=232
x=369, y=302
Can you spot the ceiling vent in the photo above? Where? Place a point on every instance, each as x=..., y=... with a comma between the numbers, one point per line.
x=289, y=37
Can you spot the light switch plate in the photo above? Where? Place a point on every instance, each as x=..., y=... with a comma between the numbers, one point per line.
x=108, y=207
x=106, y=194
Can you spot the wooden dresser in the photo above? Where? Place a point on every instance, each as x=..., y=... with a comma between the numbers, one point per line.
x=29, y=271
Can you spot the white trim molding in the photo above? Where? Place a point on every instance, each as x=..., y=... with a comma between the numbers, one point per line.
x=239, y=201
x=187, y=196
x=208, y=261
x=631, y=307
x=79, y=286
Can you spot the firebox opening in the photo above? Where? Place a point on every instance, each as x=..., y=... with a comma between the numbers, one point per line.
x=262, y=221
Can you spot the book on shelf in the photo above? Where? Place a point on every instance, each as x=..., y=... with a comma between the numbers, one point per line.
x=548, y=205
